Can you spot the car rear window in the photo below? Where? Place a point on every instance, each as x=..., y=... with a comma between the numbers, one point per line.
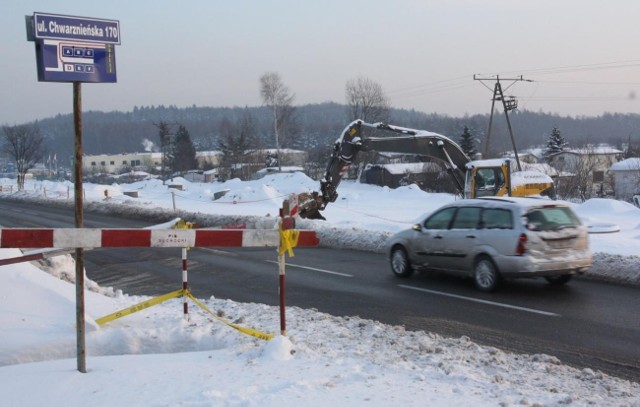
x=497, y=219
x=551, y=218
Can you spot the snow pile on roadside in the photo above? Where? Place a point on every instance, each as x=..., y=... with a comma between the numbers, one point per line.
x=154, y=357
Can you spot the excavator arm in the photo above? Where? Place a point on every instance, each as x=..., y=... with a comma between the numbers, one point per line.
x=352, y=141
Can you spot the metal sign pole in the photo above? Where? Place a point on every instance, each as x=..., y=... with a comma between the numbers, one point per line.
x=80, y=326
x=81, y=50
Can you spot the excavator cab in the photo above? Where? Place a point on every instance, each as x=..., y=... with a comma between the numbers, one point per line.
x=494, y=178
x=487, y=181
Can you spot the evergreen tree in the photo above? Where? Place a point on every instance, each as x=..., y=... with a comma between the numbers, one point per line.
x=467, y=143
x=631, y=150
x=555, y=143
x=164, y=134
x=183, y=152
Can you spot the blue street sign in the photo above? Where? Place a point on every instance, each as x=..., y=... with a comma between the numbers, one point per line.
x=59, y=27
x=74, y=49
x=66, y=61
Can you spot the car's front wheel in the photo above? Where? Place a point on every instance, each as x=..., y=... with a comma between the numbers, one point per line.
x=485, y=274
x=400, y=263
x=558, y=280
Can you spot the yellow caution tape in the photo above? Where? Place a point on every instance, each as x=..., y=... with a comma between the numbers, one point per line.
x=288, y=240
x=248, y=331
x=181, y=224
x=139, y=307
x=175, y=294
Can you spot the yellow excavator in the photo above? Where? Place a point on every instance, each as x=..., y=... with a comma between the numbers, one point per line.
x=493, y=177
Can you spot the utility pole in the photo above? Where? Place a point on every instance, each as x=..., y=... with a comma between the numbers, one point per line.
x=508, y=103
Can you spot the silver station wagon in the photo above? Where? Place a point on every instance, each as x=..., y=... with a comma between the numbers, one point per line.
x=489, y=239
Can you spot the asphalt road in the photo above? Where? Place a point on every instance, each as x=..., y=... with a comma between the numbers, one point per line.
x=585, y=323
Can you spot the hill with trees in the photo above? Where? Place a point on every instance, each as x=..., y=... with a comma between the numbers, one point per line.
x=314, y=128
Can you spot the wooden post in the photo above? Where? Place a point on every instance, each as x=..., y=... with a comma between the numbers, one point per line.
x=284, y=214
x=79, y=222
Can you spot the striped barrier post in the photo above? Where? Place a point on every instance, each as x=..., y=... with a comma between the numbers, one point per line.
x=185, y=284
x=288, y=237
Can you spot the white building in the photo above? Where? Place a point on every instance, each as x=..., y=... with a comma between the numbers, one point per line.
x=627, y=178
x=119, y=163
x=146, y=161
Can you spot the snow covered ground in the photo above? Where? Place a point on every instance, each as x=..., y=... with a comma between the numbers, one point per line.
x=154, y=357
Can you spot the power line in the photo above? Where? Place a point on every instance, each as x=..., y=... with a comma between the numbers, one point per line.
x=410, y=88
x=581, y=68
x=417, y=93
x=459, y=82
x=590, y=82
x=577, y=98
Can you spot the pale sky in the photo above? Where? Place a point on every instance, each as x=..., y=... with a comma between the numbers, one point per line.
x=583, y=55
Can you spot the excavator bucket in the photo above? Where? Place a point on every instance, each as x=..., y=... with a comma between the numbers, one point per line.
x=308, y=206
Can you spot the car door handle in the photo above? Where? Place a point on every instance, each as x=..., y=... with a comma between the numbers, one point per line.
x=471, y=236
x=437, y=237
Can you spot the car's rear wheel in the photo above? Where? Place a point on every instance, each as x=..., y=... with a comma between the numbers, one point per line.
x=558, y=280
x=400, y=263
x=485, y=274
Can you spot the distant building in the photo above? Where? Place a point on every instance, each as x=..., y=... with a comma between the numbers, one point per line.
x=287, y=157
x=425, y=175
x=275, y=170
x=597, y=160
x=627, y=178
x=152, y=162
x=209, y=159
x=602, y=158
x=145, y=161
x=120, y=163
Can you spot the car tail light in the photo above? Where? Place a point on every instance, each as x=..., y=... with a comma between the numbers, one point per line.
x=521, y=249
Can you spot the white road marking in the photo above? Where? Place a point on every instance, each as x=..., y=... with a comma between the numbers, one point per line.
x=314, y=269
x=497, y=304
x=218, y=251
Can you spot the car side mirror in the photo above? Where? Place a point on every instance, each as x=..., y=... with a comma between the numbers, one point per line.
x=417, y=227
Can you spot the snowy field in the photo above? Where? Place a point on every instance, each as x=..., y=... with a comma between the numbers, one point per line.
x=154, y=357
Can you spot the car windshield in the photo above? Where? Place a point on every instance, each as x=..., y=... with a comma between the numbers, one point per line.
x=551, y=218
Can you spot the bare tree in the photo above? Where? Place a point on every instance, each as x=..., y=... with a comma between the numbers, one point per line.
x=366, y=100
x=276, y=95
x=24, y=143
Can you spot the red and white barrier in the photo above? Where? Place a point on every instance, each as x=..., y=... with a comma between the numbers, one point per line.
x=93, y=238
